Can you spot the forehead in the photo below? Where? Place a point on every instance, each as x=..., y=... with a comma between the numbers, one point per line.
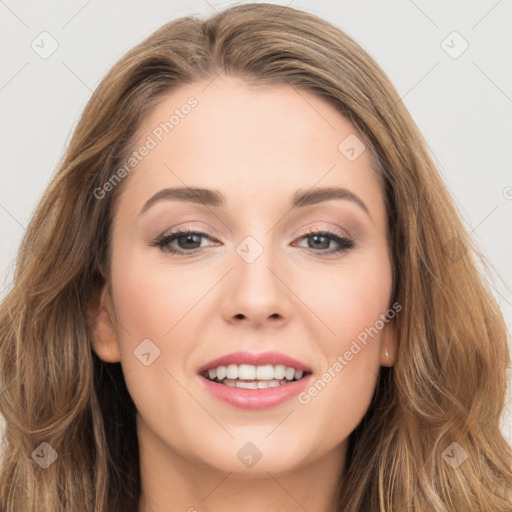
x=249, y=141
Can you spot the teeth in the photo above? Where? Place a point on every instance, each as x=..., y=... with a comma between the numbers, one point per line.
x=266, y=372
x=279, y=371
x=269, y=383
x=221, y=372
x=248, y=385
x=290, y=373
x=249, y=372
x=232, y=371
x=253, y=384
x=249, y=376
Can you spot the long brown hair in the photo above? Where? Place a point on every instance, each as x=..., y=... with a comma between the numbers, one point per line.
x=445, y=393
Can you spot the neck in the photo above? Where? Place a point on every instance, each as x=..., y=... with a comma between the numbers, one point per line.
x=172, y=482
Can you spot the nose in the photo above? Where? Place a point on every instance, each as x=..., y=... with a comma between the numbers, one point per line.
x=259, y=291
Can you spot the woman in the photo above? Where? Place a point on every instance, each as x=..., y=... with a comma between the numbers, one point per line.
x=330, y=347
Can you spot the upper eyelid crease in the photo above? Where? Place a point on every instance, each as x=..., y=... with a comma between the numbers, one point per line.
x=214, y=198
x=162, y=240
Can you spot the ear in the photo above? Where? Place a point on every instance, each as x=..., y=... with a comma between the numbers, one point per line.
x=389, y=344
x=101, y=320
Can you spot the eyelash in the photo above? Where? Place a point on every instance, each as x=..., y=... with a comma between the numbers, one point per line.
x=163, y=242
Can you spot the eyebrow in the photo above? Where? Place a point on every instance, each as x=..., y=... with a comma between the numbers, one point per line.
x=214, y=198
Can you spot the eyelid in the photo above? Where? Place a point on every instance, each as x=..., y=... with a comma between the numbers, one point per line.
x=163, y=241
x=311, y=230
x=317, y=229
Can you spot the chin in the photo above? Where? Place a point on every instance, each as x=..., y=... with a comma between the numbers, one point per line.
x=253, y=451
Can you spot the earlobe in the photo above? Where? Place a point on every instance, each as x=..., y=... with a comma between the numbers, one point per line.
x=104, y=337
x=389, y=345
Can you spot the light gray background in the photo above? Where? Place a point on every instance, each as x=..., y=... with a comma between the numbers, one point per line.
x=462, y=105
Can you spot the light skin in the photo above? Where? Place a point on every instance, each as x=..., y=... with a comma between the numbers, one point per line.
x=256, y=146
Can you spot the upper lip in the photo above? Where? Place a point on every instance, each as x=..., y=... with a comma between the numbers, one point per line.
x=261, y=359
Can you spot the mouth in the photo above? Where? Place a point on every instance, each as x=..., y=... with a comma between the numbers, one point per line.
x=255, y=381
x=250, y=376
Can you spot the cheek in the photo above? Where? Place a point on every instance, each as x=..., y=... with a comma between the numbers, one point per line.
x=153, y=302
x=151, y=298
x=350, y=298
x=350, y=304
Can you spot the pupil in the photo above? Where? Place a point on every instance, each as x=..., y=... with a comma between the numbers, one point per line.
x=324, y=246
x=188, y=239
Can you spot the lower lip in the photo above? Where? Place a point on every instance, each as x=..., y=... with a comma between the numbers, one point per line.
x=255, y=399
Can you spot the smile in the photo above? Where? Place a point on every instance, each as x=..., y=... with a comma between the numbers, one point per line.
x=249, y=376
x=254, y=381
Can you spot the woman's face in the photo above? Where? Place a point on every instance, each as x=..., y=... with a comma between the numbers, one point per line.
x=258, y=275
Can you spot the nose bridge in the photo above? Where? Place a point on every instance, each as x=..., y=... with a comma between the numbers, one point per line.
x=258, y=291
x=256, y=256
x=256, y=249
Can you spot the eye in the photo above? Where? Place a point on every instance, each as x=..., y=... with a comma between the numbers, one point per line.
x=188, y=241
x=320, y=240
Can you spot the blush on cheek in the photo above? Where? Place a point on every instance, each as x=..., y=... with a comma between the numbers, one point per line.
x=347, y=306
